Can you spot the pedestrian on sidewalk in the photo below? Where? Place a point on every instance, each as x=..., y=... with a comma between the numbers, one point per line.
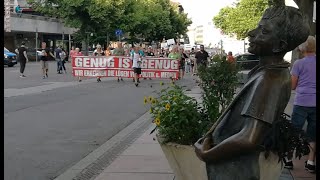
x=119, y=51
x=230, y=58
x=136, y=65
x=201, y=57
x=192, y=61
x=57, y=53
x=63, y=56
x=18, y=10
x=98, y=52
x=44, y=57
x=303, y=76
x=182, y=64
x=22, y=58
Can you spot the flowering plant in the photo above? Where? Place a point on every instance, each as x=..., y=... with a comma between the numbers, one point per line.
x=178, y=117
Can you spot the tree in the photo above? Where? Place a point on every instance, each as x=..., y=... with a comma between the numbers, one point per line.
x=155, y=19
x=147, y=19
x=241, y=18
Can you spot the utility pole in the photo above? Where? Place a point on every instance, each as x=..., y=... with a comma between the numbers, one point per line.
x=244, y=46
x=91, y=34
x=221, y=46
x=36, y=44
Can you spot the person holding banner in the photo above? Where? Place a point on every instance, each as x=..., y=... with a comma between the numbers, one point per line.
x=175, y=54
x=107, y=52
x=119, y=51
x=74, y=54
x=136, y=65
x=98, y=52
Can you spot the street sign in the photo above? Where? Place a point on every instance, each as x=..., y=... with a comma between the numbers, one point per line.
x=118, y=32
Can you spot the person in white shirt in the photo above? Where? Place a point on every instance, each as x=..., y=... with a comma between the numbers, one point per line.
x=136, y=65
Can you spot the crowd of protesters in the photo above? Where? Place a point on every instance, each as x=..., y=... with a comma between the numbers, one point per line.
x=188, y=60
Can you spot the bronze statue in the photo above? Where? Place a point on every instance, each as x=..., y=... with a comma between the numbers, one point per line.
x=232, y=146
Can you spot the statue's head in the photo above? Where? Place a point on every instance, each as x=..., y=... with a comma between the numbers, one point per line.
x=280, y=30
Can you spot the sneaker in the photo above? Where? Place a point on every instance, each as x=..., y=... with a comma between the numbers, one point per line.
x=44, y=77
x=309, y=167
x=288, y=164
x=22, y=76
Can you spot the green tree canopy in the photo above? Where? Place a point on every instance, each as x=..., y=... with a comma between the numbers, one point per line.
x=148, y=19
x=241, y=18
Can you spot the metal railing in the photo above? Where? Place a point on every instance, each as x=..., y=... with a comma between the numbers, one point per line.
x=37, y=17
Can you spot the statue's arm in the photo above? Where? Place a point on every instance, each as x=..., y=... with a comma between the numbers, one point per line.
x=247, y=140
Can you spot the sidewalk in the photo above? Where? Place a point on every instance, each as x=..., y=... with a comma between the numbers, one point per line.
x=144, y=160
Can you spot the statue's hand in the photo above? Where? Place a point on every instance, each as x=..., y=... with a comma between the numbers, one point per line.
x=202, y=146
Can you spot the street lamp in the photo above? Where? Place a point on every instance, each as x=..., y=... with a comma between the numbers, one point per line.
x=91, y=34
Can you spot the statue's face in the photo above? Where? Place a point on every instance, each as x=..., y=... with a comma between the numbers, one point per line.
x=264, y=40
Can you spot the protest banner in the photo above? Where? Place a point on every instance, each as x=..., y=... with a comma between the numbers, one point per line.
x=120, y=66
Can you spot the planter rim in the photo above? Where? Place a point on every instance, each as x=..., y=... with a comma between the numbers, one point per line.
x=171, y=143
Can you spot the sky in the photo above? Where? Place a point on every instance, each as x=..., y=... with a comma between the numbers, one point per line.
x=202, y=11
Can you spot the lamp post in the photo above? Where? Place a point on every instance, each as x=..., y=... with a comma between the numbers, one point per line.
x=91, y=34
x=36, y=44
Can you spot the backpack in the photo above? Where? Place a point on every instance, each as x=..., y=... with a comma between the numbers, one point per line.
x=62, y=55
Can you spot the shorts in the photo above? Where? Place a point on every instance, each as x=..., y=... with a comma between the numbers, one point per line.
x=44, y=64
x=299, y=116
x=137, y=70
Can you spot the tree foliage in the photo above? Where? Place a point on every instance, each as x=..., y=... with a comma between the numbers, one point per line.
x=147, y=19
x=241, y=18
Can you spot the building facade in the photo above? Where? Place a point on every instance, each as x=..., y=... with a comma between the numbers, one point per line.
x=33, y=29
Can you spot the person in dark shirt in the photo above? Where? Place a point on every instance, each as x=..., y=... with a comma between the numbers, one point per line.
x=22, y=58
x=150, y=52
x=202, y=57
x=192, y=61
x=45, y=54
x=57, y=53
x=182, y=63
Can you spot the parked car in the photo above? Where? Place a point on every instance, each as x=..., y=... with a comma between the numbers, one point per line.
x=247, y=61
x=10, y=59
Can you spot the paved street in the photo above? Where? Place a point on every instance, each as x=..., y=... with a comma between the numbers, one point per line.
x=51, y=124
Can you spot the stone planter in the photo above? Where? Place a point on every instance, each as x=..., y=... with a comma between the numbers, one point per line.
x=184, y=162
x=270, y=168
x=251, y=166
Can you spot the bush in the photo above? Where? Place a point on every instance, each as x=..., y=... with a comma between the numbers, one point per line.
x=218, y=82
x=177, y=116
